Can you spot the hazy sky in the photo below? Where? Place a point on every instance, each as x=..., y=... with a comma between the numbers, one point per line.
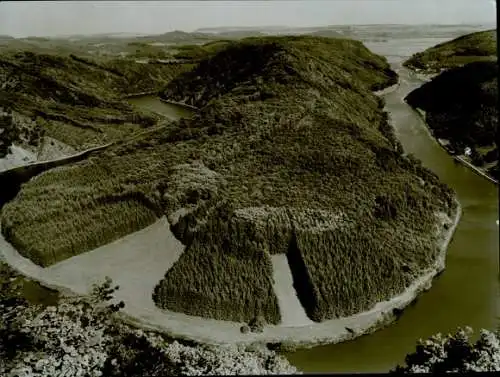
x=19, y=19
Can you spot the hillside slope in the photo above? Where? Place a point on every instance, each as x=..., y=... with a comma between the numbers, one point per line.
x=73, y=99
x=307, y=136
x=479, y=46
x=291, y=153
x=461, y=107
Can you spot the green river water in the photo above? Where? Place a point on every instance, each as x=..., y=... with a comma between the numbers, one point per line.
x=467, y=293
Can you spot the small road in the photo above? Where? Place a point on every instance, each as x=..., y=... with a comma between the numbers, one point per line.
x=476, y=169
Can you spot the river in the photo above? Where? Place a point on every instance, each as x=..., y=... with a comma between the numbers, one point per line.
x=154, y=104
x=468, y=292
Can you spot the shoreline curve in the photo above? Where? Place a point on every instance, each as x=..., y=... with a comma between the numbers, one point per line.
x=216, y=332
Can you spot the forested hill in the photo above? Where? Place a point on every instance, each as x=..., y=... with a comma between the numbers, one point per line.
x=480, y=46
x=462, y=107
x=292, y=153
x=258, y=64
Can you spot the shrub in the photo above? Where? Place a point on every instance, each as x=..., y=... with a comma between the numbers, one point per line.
x=455, y=353
x=257, y=324
x=81, y=336
x=244, y=329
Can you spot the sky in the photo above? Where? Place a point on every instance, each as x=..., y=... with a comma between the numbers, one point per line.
x=53, y=18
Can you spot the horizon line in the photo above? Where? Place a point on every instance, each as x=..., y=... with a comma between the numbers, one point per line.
x=255, y=28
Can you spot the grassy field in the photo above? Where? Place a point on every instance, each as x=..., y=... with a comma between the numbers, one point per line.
x=461, y=106
x=290, y=151
x=479, y=46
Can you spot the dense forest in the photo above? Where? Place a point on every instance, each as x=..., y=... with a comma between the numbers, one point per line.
x=282, y=122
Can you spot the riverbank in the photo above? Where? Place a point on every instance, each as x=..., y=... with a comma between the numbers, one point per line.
x=140, y=94
x=140, y=310
x=460, y=158
x=169, y=110
x=17, y=156
x=388, y=90
x=426, y=77
x=49, y=149
x=476, y=169
x=12, y=179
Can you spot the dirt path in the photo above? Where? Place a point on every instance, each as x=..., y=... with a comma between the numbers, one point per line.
x=136, y=263
x=291, y=310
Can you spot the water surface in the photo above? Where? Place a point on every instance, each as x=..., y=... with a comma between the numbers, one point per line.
x=154, y=104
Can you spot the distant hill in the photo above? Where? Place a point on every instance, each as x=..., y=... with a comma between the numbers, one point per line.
x=179, y=36
x=360, y=32
x=230, y=29
x=480, y=46
x=240, y=34
x=327, y=33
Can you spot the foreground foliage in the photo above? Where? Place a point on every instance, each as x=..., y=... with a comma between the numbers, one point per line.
x=455, y=353
x=80, y=336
